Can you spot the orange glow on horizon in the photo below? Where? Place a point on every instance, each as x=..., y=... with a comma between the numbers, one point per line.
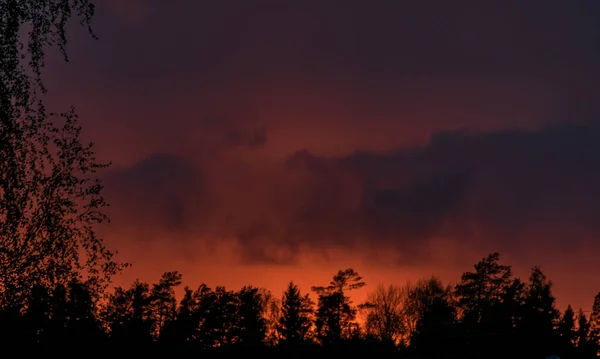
x=220, y=266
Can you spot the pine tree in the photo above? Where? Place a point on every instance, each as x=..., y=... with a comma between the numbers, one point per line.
x=335, y=312
x=594, y=323
x=483, y=289
x=540, y=315
x=566, y=326
x=584, y=347
x=296, y=316
x=566, y=332
x=251, y=324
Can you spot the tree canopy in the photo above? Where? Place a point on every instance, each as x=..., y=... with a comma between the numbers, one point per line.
x=50, y=196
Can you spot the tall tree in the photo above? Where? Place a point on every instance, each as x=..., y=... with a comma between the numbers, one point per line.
x=251, y=324
x=184, y=329
x=83, y=324
x=335, y=312
x=507, y=314
x=585, y=347
x=431, y=304
x=272, y=316
x=219, y=313
x=483, y=288
x=163, y=302
x=50, y=198
x=594, y=322
x=489, y=299
x=566, y=330
x=191, y=319
x=540, y=316
x=129, y=314
x=385, y=313
x=296, y=316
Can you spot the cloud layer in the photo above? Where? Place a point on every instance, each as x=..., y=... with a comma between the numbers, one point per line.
x=512, y=190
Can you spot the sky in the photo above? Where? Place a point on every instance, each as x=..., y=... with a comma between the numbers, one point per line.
x=264, y=141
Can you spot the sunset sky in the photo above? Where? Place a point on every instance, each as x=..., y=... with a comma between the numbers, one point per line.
x=263, y=141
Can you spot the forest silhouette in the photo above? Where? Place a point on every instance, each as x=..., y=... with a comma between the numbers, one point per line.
x=490, y=313
x=56, y=273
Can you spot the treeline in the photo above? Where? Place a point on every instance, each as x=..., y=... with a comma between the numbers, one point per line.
x=489, y=313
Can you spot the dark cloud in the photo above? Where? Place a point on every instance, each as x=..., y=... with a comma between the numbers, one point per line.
x=157, y=193
x=466, y=35
x=513, y=190
x=188, y=61
x=258, y=247
x=252, y=139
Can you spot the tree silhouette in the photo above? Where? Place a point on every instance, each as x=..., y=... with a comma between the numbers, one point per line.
x=251, y=324
x=478, y=291
x=566, y=331
x=47, y=21
x=507, y=314
x=219, y=317
x=83, y=324
x=432, y=305
x=183, y=324
x=423, y=320
x=539, y=314
x=489, y=300
x=297, y=315
x=50, y=200
x=585, y=346
x=594, y=323
x=335, y=312
x=385, y=313
x=129, y=314
x=271, y=313
x=163, y=303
